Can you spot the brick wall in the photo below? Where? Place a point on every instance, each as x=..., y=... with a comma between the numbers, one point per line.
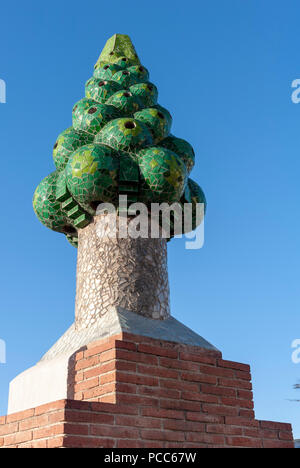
x=132, y=391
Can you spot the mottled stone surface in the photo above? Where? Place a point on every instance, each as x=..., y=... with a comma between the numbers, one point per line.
x=125, y=272
x=118, y=320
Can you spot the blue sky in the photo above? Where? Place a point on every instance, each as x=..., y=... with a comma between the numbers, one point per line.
x=224, y=70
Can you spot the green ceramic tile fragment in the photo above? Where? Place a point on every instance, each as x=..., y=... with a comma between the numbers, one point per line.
x=68, y=204
x=74, y=212
x=82, y=221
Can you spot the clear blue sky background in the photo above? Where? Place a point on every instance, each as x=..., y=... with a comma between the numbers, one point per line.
x=224, y=70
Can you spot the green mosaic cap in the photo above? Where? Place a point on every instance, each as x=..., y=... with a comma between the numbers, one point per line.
x=119, y=144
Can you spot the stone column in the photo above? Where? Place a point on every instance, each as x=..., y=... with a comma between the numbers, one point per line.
x=114, y=271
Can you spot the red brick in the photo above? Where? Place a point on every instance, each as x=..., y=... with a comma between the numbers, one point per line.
x=108, y=377
x=115, y=432
x=125, y=345
x=277, y=444
x=89, y=417
x=158, y=372
x=198, y=358
x=246, y=413
x=238, y=421
x=243, y=375
x=18, y=438
x=126, y=388
x=219, y=409
x=207, y=418
x=137, y=379
x=53, y=406
x=19, y=416
x=115, y=408
x=181, y=405
x=245, y=394
x=136, y=357
x=185, y=386
x=243, y=442
x=137, y=400
x=215, y=390
x=191, y=426
x=177, y=364
x=205, y=438
x=57, y=416
x=236, y=402
x=251, y=432
x=90, y=383
x=199, y=378
x=36, y=421
x=269, y=434
x=234, y=365
x=275, y=425
x=153, y=434
x=159, y=392
x=156, y=444
x=48, y=431
x=9, y=428
x=107, y=367
x=123, y=443
x=39, y=444
x=79, y=355
x=108, y=355
x=239, y=384
x=217, y=371
x=194, y=396
x=158, y=351
x=223, y=429
x=86, y=363
x=88, y=442
x=79, y=376
x=133, y=421
x=285, y=435
x=94, y=372
x=98, y=391
x=162, y=413
x=125, y=366
x=76, y=429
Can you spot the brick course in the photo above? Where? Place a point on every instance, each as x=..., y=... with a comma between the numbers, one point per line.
x=132, y=391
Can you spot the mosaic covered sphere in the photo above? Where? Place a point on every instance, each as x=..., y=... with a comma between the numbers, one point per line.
x=106, y=71
x=163, y=175
x=92, y=173
x=125, y=134
x=46, y=207
x=182, y=148
x=90, y=116
x=66, y=143
x=158, y=121
x=146, y=92
x=124, y=78
x=125, y=102
x=140, y=73
x=124, y=62
x=101, y=90
x=194, y=195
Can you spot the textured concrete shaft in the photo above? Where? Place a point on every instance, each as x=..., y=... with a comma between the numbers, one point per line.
x=114, y=271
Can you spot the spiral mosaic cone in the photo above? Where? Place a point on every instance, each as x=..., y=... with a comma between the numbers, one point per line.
x=119, y=143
